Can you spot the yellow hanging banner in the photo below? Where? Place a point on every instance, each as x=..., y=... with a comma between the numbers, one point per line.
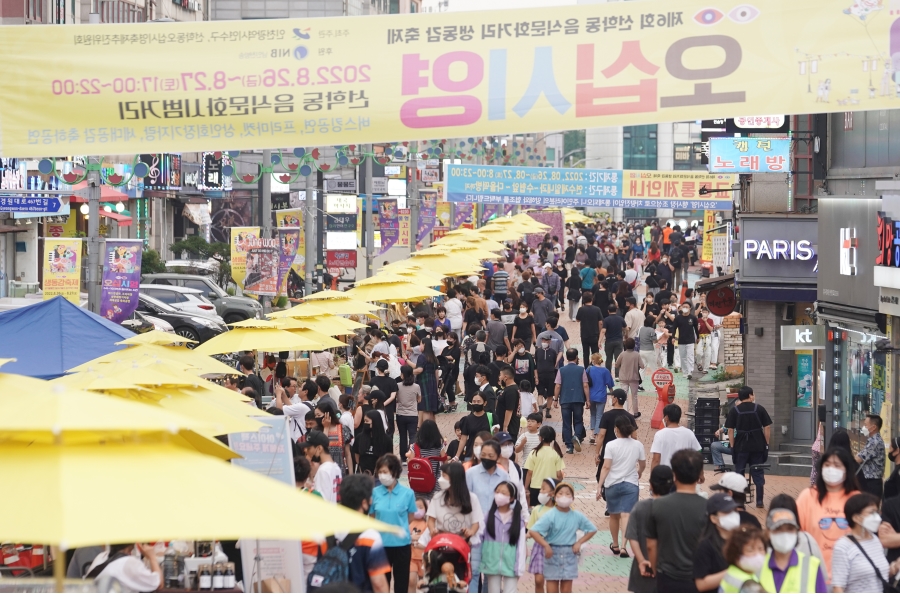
x=252, y=84
x=240, y=243
x=62, y=268
x=709, y=223
x=293, y=217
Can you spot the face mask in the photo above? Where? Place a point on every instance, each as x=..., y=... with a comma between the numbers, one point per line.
x=443, y=483
x=564, y=502
x=833, y=476
x=730, y=521
x=476, y=407
x=420, y=513
x=545, y=345
x=500, y=499
x=522, y=310
x=488, y=464
x=521, y=351
x=872, y=523
x=783, y=542
x=753, y=563
x=316, y=459
x=386, y=479
x=543, y=498
x=476, y=451
x=507, y=451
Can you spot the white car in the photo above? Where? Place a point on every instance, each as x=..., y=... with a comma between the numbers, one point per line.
x=190, y=301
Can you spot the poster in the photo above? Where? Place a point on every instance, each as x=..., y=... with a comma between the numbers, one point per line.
x=240, y=239
x=293, y=217
x=288, y=240
x=490, y=211
x=427, y=213
x=62, y=269
x=464, y=216
x=804, y=379
x=709, y=223
x=121, y=278
x=442, y=214
x=388, y=223
x=554, y=218
x=435, y=75
x=268, y=451
x=405, y=219
x=262, y=260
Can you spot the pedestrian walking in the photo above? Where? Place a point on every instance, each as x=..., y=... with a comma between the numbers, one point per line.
x=572, y=392
x=628, y=369
x=871, y=458
x=545, y=504
x=601, y=384
x=671, y=438
x=503, y=550
x=545, y=462
x=393, y=504
x=749, y=433
x=745, y=553
x=686, y=333
x=623, y=467
x=786, y=568
x=639, y=578
x=590, y=319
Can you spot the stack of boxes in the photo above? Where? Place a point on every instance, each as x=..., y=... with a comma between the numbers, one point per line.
x=706, y=422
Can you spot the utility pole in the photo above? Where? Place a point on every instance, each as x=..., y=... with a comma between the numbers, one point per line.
x=309, y=225
x=320, y=227
x=413, y=194
x=369, y=206
x=94, y=243
x=265, y=209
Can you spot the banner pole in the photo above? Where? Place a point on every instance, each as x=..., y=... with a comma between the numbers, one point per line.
x=369, y=206
x=93, y=274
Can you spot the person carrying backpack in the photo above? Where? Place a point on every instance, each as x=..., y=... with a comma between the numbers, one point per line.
x=358, y=558
x=751, y=445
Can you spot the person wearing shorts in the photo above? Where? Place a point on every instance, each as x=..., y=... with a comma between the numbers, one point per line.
x=556, y=531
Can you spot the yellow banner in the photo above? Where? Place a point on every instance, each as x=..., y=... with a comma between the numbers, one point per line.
x=443, y=214
x=349, y=80
x=709, y=222
x=240, y=238
x=62, y=268
x=293, y=217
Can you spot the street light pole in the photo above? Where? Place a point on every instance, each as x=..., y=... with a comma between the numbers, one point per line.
x=265, y=209
x=94, y=243
x=369, y=206
x=413, y=194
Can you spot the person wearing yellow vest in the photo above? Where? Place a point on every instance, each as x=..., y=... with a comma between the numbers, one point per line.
x=787, y=569
x=745, y=553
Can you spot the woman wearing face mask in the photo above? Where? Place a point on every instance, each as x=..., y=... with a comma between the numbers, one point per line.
x=394, y=504
x=428, y=444
x=787, y=569
x=426, y=376
x=806, y=544
x=524, y=367
x=372, y=442
x=556, y=532
x=623, y=465
x=545, y=504
x=709, y=562
x=454, y=509
x=475, y=458
x=523, y=326
x=858, y=563
x=821, y=508
x=745, y=553
x=472, y=424
x=503, y=550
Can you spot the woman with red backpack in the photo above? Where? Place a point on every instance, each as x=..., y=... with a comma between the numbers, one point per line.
x=429, y=446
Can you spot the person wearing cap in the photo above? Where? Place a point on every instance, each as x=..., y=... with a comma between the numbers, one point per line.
x=786, y=569
x=551, y=283
x=542, y=308
x=734, y=485
x=722, y=517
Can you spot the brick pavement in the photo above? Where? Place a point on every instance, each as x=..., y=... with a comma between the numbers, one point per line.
x=599, y=570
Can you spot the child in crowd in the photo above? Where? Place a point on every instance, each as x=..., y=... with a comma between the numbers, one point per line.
x=527, y=402
x=417, y=527
x=556, y=532
x=453, y=446
x=546, y=461
x=530, y=438
x=545, y=504
x=504, y=540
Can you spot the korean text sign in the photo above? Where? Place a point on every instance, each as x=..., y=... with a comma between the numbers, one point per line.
x=62, y=269
x=749, y=155
x=436, y=75
x=121, y=278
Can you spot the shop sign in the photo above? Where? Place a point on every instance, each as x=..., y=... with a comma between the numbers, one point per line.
x=340, y=222
x=779, y=249
x=340, y=204
x=888, y=237
x=889, y=302
x=847, y=249
x=164, y=171
x=800, y=338
x=721, y=302
x=431, y=175
x=749, y=155
x=211, y=176
x=379, y=185
x=347, y=186
x=340, y=258
x=662, y=378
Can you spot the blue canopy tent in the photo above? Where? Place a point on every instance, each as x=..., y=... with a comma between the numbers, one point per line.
x=52, y=336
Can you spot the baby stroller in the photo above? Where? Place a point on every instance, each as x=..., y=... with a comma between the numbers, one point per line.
x=446, y=564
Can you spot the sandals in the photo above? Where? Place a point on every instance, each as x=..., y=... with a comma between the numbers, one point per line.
x=615, y=550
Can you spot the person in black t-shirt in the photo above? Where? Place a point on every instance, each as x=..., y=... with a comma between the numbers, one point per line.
x=662, y=297
x=382, y=381
x=751, y=445
x=472, y=424
x=709, y=562
x=686, y=333
x=590, y=317
x=612, y=337
x=506, y=412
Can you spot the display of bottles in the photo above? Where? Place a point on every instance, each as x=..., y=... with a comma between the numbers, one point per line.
x=205, y=577
x=218, y=578
x=229, y=576
x=170, y=568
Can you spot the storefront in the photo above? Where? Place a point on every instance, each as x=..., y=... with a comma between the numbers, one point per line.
x=856, y=360
x=776, y=281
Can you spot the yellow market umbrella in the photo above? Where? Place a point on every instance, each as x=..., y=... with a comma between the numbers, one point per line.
x=254, y=323
x=325, y=341
x=156, y=337
x=482, y=243
x=73, y=496
x=524, y=219
x=392, y=293
x=254, y=339
x=223, y=416
x=342, y=307
x=445, y=263
x=389, y=277
x=473, y=251
x=202, y=364
x=304, y=310
x=327, y=325
x=328, y=294
x=502, y=233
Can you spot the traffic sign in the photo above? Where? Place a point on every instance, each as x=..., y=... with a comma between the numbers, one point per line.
x=29, y=204
x=661, y=378
x=721, y=301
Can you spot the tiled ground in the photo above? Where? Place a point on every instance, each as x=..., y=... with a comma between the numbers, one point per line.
x=600, y=571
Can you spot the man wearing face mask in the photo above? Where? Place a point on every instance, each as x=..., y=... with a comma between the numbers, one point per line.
x=751, y=446
x=327, y=473
x=506, y=413
x=787, y=569
x=733, y=485
x=871, y=458
x=686, y=333
x=709, y=562
x=482, y=480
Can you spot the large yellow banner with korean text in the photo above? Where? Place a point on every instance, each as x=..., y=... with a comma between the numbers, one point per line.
x=62, y=268
x=293, y=217
x=96, y=89
x=240, y=243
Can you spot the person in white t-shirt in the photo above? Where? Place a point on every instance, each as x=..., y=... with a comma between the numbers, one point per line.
x=453, y=307
x=623, y=464
x=672, y=438
x=128, y=570
x=347, y=417
x=527, y=402
x=295, y=409
x=328, y=474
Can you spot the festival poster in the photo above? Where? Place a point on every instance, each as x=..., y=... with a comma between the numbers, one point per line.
x=388, y=223
x=804, y=379
x=293, y=217
x=442, y=213
x=508, y=209
x=488, y=211
x=554, y=218
x=427, y=213
x=262, y=267
x=288, y=239
x=56, y=230
x=709, y=223
x=62, y=269
x=240, y=238
x=121, y=278
x=464, y=215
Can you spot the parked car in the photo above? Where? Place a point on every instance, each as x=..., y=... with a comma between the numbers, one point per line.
x=183, y=299
x=230, y=308
x=195, y=327
x=140, y=323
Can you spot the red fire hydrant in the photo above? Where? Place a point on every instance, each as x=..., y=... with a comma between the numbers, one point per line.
x=663, y=380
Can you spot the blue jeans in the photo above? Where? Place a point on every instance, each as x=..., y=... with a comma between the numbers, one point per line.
x=596, y=413
x=475, y=557
x=717, y=449
x=572, y=414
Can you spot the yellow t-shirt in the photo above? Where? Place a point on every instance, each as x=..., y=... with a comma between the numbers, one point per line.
x=536, y=514
x=543, y=463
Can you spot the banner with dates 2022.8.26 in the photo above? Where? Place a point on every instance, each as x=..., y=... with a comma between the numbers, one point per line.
x=96, y=89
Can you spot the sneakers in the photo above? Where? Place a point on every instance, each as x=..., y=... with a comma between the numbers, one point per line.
x=637, y=415
x=570, y=451
x=576, y=442
x=592, y=441
x=689, y=376
x=641, y=388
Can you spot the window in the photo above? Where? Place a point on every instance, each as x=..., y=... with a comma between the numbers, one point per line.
x=802, y=127
x=34, y=10
x=639, y=147
x=164, y=296
x=394, y=7
x=196, y=284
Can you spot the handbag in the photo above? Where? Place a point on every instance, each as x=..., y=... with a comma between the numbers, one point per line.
x=887, y=585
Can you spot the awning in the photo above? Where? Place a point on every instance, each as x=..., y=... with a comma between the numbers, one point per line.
x=708, y=284
x=197, y=213
x=107, y=194
x=122, y=220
